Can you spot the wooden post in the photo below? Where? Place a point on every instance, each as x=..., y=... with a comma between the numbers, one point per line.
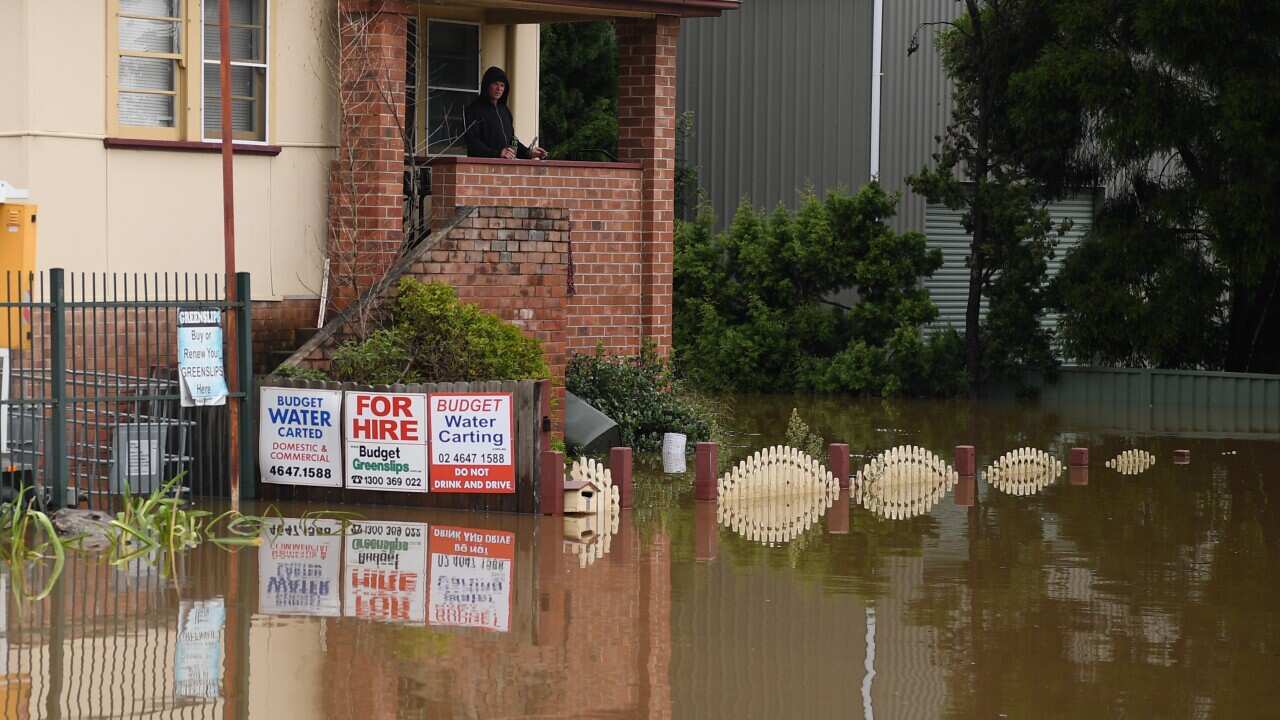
x=838, y=514
x=706, y=462
x=549, y=547
x=544, y=414
x=838, y=461
x=1079, y=457
x=620, y=469
x=966, y=460
x=706, y=532
x=966, y=491
x=1079, y=475
x=551, y=487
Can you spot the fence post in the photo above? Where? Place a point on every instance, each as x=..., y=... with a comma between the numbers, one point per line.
x=55, y=451
x=244, y=371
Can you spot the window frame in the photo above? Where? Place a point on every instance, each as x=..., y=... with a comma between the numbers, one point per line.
x=265, y=66
x=188, y=124
x=457, y=148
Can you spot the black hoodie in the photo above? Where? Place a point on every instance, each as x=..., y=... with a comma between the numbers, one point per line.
x=490, y=128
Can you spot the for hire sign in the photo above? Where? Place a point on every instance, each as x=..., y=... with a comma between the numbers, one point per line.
x=386, y=576
x=386, y=436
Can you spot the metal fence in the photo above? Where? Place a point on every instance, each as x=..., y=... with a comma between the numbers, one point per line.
x=91, y=404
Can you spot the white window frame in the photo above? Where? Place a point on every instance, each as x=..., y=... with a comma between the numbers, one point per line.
x=427, y=87
x=264, y=66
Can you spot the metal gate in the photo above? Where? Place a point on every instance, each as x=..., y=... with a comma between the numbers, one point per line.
x=91, y=406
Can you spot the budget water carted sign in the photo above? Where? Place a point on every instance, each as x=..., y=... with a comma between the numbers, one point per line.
x=299, y=564
x=471, y=443
x=299, y=440
x=386, y=435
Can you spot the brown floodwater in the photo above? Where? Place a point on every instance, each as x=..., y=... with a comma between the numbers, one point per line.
x=1148, y=595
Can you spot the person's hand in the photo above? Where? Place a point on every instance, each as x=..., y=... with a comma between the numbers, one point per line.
x=508, y=153
x=538, y=153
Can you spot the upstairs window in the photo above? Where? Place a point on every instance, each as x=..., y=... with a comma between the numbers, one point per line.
x=453, y=82
x=164, y=72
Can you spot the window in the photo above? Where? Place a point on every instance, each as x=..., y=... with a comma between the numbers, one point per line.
x=165, y=73
x=453, y=82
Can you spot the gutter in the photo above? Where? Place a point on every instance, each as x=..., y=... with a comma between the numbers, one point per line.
x=877, y=74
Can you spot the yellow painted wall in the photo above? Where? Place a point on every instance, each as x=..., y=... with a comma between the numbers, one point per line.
x=118, y=210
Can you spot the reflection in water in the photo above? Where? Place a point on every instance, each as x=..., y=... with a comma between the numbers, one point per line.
x=592, y=508
x=1025, y=471
x=775, y=495
x=1132, y=462
x=905, y=482
x=1113, y=598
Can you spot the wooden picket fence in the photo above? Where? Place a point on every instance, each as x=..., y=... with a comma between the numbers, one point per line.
x=1025, y=471
x=905, y=482
x=775, y=495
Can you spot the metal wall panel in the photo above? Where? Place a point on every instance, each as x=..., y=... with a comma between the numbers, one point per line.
x=949, y=286
x=781, y=95
x=915, y=99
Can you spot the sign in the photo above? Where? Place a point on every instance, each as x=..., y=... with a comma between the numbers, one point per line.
x=471, y=573
x=471, y=443
x=201, y=377
x=386, y=572
x=299, y=439
x=300, y=568
x=386, y=441
x=197, y=659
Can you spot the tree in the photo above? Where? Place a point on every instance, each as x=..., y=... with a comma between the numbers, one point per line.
x=980, y=169
x=752, y=308
x=1174, y=106
x=580, y=90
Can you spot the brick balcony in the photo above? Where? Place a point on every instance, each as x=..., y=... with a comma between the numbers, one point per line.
x=605, y=277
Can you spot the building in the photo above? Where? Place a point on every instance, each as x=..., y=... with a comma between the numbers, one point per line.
x=111, y=119
x=789, y=94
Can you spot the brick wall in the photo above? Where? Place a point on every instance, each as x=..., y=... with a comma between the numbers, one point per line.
x=366, y=182
x=647, y=135
x=605, y=245
x=275, y=326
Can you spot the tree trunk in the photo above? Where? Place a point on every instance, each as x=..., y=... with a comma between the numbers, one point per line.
x=1253, y=327
x=972, y=340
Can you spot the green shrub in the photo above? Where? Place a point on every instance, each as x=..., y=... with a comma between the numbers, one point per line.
x=293, y=372
x=753, y=308
x=640, y=394
x=433, y=337
x=801, y=437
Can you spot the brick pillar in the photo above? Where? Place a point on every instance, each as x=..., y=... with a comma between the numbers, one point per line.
x=366, y=181
x=647, y=135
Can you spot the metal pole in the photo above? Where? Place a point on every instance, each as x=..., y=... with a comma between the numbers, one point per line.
x=248, y=442
x=229, y=249
x=55, y=463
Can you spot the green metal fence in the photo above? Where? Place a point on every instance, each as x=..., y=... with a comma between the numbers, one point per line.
x=1194, y=403
x=92, y=404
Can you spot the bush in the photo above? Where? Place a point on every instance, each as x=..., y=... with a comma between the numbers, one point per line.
x=431, y=336
x=640, y=394
x=754, y=308
x=801, y=437
x=293, y=372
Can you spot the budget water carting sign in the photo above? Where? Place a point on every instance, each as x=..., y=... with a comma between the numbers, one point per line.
x=386, y=572
x=299, y=436
x=471, y=443
x=471, y=572
x=201, y=377
x=300, y=567
x=386, y=441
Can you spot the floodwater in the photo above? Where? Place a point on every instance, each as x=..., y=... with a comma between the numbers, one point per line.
x=1147, y=595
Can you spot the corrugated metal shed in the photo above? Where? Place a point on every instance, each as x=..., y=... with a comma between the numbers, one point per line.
x=949, y=286
x=780, y=92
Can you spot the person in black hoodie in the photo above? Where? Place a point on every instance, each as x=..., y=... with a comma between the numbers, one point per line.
x=490, y=128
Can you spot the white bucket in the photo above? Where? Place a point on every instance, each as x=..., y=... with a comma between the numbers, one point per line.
x=673, y=453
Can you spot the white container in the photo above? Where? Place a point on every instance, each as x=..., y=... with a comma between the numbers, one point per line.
x=673, y=453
